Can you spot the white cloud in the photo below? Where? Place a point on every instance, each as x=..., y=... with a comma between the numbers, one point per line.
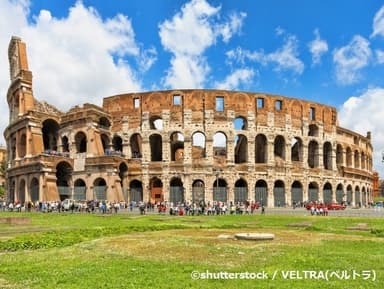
x=284, y=58
x=363, y=113
x=187, y=35
x=379, y=56
x=350, y=59
x=378, y=23
x=317, y=47
x=237, y=77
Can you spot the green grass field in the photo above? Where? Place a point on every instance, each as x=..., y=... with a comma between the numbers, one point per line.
x=130, y=251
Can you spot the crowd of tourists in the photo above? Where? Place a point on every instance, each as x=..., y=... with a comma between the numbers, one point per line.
x=105, y=207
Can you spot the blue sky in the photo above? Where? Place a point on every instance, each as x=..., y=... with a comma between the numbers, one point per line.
x=326, y=51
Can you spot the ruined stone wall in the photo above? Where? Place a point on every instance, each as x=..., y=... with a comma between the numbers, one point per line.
x=278, y=118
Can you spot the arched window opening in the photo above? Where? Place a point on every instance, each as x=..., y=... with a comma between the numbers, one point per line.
x=241, y=149
x=136, y=146
x=349, y=157
x=65, y=144
x=313, y=154
x=117, y=143
x=198, y=145
x=81, y=142
x=339, y=155
x=327, y=156
x=177, y=146
x=297, y=150
x=240, y=123
x=156, y=144
x=313, y=130
x=279, y=148
x=155, y=122
x=104, y=123
x=22, y=146
x=105, y=143
x=261, y=149
x=357, y=159
x=50, y=135
x=220, y=145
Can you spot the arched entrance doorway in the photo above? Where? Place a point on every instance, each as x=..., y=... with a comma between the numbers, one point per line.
x=63, y=180
x=79, y=190
x=241, y=191
x=261, y=192
x=157, y=195
x=176, y=191
x=100, y=189
x=296, y=193
x=198, y=192
x=136, y=191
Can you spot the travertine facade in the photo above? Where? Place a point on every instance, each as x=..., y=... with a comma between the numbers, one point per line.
x=182, y=146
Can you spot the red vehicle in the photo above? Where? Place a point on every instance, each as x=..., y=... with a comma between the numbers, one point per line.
x=315, y=205
x=336, y=206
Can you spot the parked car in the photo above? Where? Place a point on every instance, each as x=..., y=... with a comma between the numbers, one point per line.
x=336, y=206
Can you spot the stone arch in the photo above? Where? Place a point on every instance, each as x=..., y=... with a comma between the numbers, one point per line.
x=105, y=142
x=81, y=142
x=240, y=123
x=176, y=191
x=241, y=191
x=117, y=143
x=279, y=148
x=136, y=145
x=220, y=193
x=100, y=189
x=65, y=144
x=79, y=189
x=327, y=193
x=198, y=145
x=313, y=192
x=156, y=122
x=22, y=147
x=104, y=123
x=339, y=155
x=261, y=149
x=136, y=191
x=156, y=144
x=34, y=189
x=63, y=180
x=357, y=196
x=313, y=154
x=279, y=194
x=296, y=193
x=261, y=192
x=313, y=130
x=241, y=149
x=339, y=193
x=198, y=192
x=356, y=156
x=349, y=157
x=349, y=194
x=177, y=146
x=327, y=156
x=156, y=187
x=220, y=144
x=21, y=192
x=297, y=149
x=50, y=132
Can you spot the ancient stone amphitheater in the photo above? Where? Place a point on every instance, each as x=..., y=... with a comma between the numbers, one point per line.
x=182, y=146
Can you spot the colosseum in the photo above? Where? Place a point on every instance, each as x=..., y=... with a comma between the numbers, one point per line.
x=181, y=146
